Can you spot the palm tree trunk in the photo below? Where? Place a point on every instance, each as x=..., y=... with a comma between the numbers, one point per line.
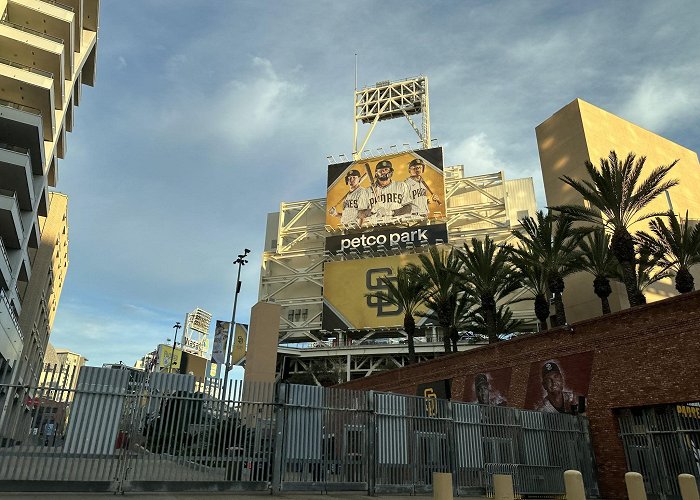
x=445, y=330
x=556, y=285
x=454, y=337
x=542, y=310
x=489, y=305
x=409, y=324
x=684, y=281
x=601, y=287
x=622, y=246
x=605, y=305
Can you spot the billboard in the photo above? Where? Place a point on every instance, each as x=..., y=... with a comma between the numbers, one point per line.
x=401, y=187
x=554, y=385
x=240, y=336
x=345, y=285
x=169, y=360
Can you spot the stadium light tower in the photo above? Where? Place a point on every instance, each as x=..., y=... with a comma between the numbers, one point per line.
x=387, y=100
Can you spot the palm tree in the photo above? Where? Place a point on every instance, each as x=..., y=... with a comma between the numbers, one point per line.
x=649, y=268
x=487, y=277
x=406, y=291
x=680, y=244
x=505, y=324
x=617, y=199
x=440, y=271
x=553, y=242
x=598, y=260
x=534, y=279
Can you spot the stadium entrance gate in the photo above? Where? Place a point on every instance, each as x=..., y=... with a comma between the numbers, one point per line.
x=660, y=443
x=122, y=430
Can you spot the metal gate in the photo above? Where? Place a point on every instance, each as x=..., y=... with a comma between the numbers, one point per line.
x=660, y=443
x=123, y=430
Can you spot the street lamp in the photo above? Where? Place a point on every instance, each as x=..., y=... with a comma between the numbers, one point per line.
x=177, y=326
x=241, y=261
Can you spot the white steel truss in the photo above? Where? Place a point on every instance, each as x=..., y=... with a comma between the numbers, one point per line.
x=387, y=100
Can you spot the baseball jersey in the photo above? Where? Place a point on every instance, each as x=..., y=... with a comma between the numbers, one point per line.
x=354, y=201
x=384, y=200
x=418, y=196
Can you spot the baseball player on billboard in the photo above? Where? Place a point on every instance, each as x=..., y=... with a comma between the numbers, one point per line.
x=355, y=201
x=418, y=189
x=388, y=198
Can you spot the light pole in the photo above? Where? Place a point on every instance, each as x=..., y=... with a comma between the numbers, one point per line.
x=241, y=261
x=177, y=326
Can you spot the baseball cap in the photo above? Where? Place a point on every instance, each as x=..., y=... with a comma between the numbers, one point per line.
x=383, y=164
x=418, y=162
x=353, y=172
x=550, y=366
x=480, y=380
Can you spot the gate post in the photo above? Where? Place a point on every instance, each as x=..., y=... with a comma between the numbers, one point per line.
x=635, y=486
x=371, y=445
x=688, y=487
x=280, y=426
x=573, y=483
x=442, y=486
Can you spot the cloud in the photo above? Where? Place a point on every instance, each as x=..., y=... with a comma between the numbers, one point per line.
x=664, y=99
x=121, y=63
x=476, y=154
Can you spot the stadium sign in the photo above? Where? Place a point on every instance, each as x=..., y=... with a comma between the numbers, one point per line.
x=386, y=239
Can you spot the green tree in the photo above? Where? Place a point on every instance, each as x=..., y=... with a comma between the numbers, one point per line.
x=598, y=260
x=487, y=277
x=679, y=243
x=617, y=199
x=551, y=241
x=407, y=292
x=441, y=275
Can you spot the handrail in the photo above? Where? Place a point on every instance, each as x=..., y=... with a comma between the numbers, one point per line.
x=5, y=299
x=21, y=107
x=4, y=254
x=59, y=4
x=16, y=149
x=24, y=67
x=31, y=31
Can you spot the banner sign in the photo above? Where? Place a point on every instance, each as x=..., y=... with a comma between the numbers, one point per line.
x=240, y=336
x=219, y=346
x=401, y=187
x=384, y=238
x=488, y=387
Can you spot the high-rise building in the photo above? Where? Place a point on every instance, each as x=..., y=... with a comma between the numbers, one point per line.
x=581, y=132
x=47, y=50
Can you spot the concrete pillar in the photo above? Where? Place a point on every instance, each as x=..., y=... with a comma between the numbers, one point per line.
x=688, y=486
x=573, y=482
x=635, y=486
x=503, y=487
x=442, y=486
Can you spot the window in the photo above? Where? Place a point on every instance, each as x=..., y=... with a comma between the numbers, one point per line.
x=523, y=214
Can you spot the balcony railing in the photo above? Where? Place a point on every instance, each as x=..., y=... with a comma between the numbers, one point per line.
x=4, y=254
x=21, y=107
x=12, y=194
x=31, y=31
x=16, y=149
x=38, y=71
x=13, y=315
x=59, y=4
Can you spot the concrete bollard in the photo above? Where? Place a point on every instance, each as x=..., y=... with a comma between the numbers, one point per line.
x=688, y=486
x=503, y=487
x=573, y=482
x=635, y=486
x=442, y=486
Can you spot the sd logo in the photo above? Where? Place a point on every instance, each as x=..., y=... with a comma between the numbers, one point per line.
x=374, y=283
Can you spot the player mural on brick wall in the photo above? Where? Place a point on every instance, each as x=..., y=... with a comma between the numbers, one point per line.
x=554, y=385
x=488, y=388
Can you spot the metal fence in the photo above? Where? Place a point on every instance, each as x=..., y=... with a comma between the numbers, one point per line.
x=660, y=443
x=124, y=430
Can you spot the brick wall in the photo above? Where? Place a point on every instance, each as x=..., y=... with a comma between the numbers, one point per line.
x=642, y=356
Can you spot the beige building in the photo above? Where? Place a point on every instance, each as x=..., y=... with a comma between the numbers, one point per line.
x=60, y=373
x=582, y=132
x=47, y=51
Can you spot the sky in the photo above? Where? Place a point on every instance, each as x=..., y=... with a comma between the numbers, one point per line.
x=207, y=114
